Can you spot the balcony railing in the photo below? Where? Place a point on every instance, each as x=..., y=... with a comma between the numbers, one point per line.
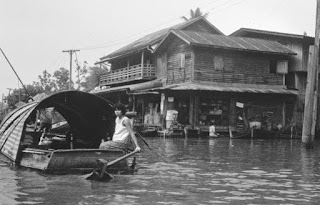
x=267, y=79
x=135, y=72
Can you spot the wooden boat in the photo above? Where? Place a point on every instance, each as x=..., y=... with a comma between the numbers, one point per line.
x=90, y=118
x=63, y=161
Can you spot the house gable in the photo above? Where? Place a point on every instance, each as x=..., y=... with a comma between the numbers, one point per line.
x=203, y=26
x=197, y=24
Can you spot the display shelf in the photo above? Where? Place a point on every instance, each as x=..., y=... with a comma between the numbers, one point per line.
x=213, y=111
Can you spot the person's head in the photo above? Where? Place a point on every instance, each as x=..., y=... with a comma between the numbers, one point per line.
x=120, y=109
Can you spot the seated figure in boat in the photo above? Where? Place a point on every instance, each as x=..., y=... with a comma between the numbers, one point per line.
x=44, y=118
x=44, y=139
x=123, y=136
x=212, y=130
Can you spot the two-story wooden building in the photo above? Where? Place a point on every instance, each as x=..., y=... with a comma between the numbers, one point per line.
x=296, y=78
x=204, y=75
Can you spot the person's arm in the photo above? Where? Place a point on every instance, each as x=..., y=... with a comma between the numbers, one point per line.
x=127, y=123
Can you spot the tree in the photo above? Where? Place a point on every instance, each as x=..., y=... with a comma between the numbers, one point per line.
x=46, y=82
x=61, y=79
x=88, y=78
x=92, y=80
x=82, y=70
x=21, y=94
x=194, y=14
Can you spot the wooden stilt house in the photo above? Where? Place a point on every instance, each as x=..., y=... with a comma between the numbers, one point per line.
x=209, y=78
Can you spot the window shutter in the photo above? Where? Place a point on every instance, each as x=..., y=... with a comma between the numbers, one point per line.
x=218, y=63
x=183, y=60
x=282, y=67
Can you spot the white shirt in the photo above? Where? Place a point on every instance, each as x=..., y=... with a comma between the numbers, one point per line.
x=212, y=131
x=121, y=131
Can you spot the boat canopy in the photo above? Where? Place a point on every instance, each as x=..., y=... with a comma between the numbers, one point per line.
x=89, y=115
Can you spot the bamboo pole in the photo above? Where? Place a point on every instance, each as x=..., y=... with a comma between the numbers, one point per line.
x=310, y=112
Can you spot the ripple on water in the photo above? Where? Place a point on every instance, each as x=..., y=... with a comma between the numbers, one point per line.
x=190, y=172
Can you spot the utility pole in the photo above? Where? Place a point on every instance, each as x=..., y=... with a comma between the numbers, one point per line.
x=8, y=96
x=70, y=76
x=311, y=98
x=2, y=103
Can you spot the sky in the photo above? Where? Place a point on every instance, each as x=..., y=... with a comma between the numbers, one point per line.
x=34, y=33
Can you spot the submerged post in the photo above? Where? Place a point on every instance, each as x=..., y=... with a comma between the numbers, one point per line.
x=310, y=117
x=307, y=138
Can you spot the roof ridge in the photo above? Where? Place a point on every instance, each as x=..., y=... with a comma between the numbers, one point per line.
x=159, y=35
x=268, y=32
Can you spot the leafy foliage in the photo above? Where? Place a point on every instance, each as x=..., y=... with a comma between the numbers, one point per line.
x=93, y=78
x=61, y=80
x=87, y=79
x=195, y=14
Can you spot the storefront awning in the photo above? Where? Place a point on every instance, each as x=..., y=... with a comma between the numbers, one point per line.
x=224, y=87
x=131, y=88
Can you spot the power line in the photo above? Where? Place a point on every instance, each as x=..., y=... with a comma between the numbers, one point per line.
x=127, y=38
x=54, y=62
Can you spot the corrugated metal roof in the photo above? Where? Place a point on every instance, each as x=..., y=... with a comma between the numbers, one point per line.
x=150, y=39
x=232, y=42
x=244, y=31
x=131, y=87
x=11, y=130
x=227, y=88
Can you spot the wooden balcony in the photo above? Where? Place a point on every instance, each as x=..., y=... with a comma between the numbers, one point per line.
x=132, y=73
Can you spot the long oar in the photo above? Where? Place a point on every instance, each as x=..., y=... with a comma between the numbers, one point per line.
x=99, y=176
x=152, y=149
x=145, y=142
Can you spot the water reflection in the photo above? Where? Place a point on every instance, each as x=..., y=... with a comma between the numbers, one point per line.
x=8, y=186
x=186, y=171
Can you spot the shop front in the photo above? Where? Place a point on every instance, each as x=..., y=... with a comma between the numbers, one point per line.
x=199, y=106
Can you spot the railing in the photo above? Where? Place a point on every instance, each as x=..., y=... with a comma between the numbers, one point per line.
x=135, y=72
x=268, y=79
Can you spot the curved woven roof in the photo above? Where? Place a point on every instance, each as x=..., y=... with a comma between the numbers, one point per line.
x=88, y=114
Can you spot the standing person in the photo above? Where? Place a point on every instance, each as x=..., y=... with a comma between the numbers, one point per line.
x=123, y=132
x=212, y=130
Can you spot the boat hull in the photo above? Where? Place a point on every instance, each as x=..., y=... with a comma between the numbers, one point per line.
x=72, y=161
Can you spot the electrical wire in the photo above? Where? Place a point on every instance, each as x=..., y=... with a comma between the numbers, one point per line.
x=127, y=38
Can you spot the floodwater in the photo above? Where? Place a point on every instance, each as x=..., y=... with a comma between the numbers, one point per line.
x=186, y=171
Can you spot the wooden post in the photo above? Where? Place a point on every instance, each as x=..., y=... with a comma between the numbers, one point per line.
x=192, y=63
x=191, y=108
x=142, y=60
x=128, y=70
x=133, y=103
x=310, y=115
x=283, y=114
x=315, y=103
x=308, y=108
x=196, y=109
